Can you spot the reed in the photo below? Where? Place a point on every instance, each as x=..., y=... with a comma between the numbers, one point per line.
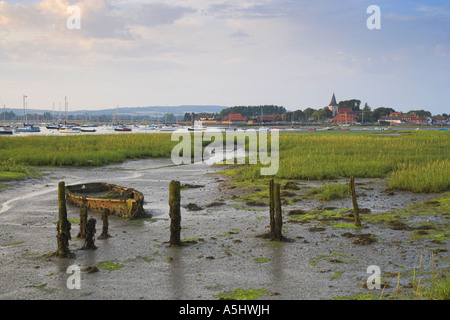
x=407, y=160
x=88, y=150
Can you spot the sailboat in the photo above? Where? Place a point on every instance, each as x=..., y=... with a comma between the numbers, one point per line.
x=67, y=129
x=27, y=127
x=4, y=129
x=120, y=127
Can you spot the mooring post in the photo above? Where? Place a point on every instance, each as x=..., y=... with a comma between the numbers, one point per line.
x=105, y=234
x=89, y=242
x=83, y=219
x=175, y=213
x=278, y=223
x=355, y=203
x=64, y=225
x=271, y=208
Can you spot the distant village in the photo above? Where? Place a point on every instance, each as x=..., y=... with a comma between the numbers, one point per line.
x=348, y=112
x=344, y=113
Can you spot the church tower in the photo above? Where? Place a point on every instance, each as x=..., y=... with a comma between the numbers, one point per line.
x=333, y=106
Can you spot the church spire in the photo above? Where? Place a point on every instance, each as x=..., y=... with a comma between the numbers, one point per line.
x=333, y=106
x=333, y=101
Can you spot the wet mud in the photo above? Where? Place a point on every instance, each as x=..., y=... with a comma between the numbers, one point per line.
x=222, y=248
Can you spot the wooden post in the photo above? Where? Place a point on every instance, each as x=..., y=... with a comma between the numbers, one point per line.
x=83, y=220
x=355, y=203
x=271, y=208
x=278, y=216
x=90, y=234
x=175, y=213
x=64, y=225
x=105, y=234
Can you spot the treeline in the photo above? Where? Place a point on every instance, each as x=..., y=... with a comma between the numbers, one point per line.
x=248, y=112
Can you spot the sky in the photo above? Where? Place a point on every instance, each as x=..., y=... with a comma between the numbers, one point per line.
x=291, y=53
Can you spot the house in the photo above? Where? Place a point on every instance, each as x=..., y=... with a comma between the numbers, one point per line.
x=234, y=117
x=205, y=116
x=393, y=118
x=418, y=120
x=345, y=118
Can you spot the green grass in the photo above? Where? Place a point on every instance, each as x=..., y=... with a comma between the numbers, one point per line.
x=331, y=191
x=408, y=159
x=241, y=294
x=416, y=161
x=89, y=150
x=430, y=177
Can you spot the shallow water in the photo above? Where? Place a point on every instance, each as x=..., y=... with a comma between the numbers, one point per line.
x=227, y=253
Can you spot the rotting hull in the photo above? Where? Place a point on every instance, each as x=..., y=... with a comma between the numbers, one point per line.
x=124, y=202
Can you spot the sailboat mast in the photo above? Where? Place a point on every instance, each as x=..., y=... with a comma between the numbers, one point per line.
x=65, y=106
x=24, y=109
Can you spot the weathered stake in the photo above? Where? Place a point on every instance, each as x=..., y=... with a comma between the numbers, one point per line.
x=271, y=208
x=83, y=220
x=355, y=203
x=64, y=225
x=278, y=223
x=90, y=234
x=105, y=234
x=175, y=213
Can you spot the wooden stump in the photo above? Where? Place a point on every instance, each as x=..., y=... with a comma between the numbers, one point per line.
x=355, y=203
x=105, y=234
x=175, y=213
x=89, y=243
x=64, y=225
x=271, y=208
x=278, y=223
x=83, y=220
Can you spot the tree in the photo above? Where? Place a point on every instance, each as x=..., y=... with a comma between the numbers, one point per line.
x=420, y=113
x=381, y=112
x=308, y=112
x=354, y=104
x=187, y=117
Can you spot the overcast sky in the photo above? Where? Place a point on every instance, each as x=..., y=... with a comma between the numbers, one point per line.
x=292, y=53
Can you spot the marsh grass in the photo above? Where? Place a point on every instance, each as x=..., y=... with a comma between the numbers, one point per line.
x=417, y=161
x=88, y=150
x=331, y=191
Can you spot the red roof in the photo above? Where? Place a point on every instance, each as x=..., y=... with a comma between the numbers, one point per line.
x=234, y=117
x=344, y=117
x=345, y=110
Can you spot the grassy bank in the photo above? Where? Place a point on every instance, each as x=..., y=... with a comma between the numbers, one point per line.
x=88, y=150
x=415, y=161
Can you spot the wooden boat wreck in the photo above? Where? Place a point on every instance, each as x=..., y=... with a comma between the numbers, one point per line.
x=123, y=202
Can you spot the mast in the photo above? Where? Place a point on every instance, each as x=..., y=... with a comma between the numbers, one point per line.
x=24, y=109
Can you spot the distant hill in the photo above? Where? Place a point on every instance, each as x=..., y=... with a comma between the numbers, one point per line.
x=134, y=111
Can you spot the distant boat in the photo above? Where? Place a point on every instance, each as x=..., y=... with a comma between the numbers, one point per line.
x=4, y=132
x=167, y=129
x=122, y=129
x=29, y=129
x=88, y=130
x=52, y=127
x=443, y=129
x=68, y=130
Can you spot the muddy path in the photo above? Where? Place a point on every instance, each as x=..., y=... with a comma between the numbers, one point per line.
x=223, y=250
